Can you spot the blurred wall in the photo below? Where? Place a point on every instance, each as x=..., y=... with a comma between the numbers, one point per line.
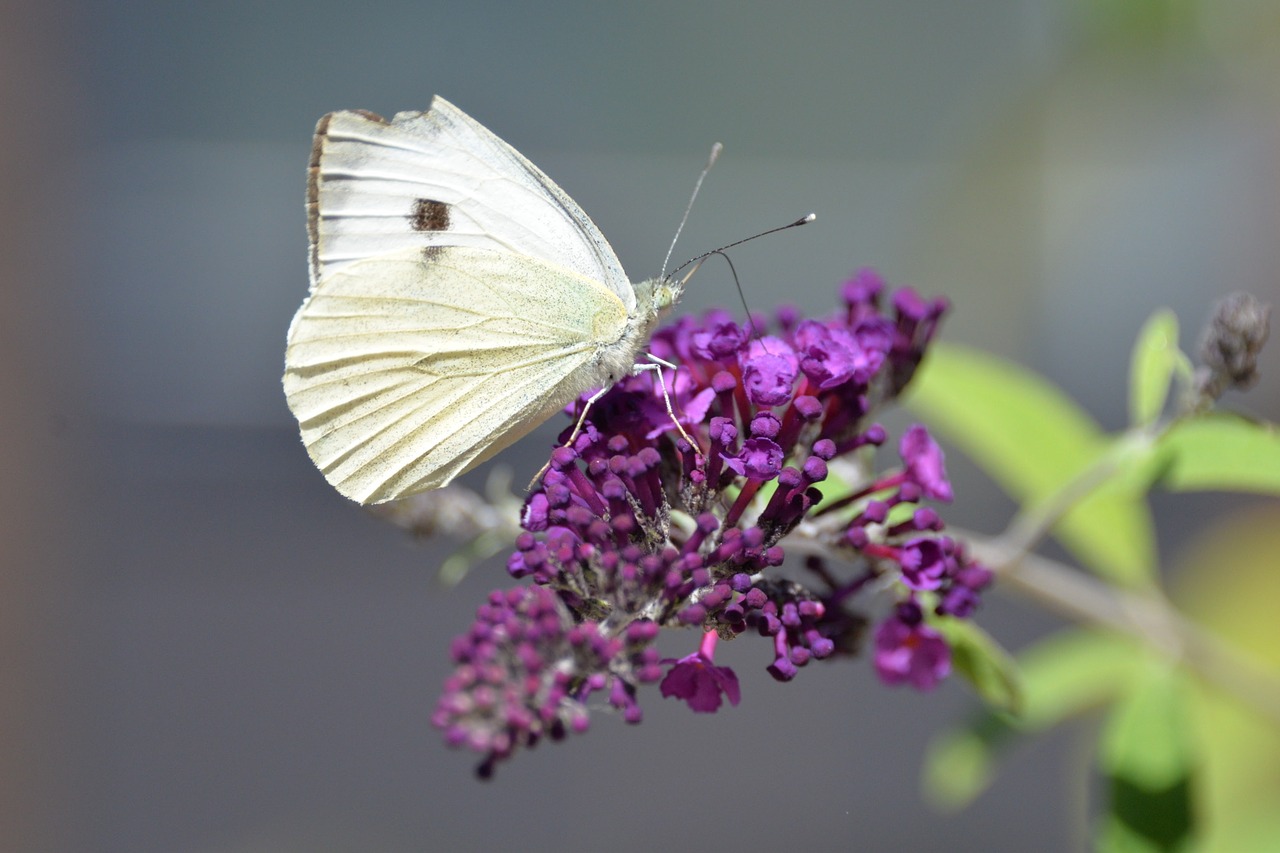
x=38, y=98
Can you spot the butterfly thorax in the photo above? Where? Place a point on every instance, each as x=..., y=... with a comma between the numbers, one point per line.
x=654, y=298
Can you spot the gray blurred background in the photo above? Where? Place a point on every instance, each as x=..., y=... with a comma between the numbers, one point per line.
x=207, y=649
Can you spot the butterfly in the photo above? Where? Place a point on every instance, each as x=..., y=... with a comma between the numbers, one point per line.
x=459, y=298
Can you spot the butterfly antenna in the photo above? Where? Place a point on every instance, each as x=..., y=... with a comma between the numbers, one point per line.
x=742, y=297
x=804, y=220
x=722, y=252
x=711, y=161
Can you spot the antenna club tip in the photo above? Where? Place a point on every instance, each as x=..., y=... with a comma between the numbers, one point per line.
x=809, y=217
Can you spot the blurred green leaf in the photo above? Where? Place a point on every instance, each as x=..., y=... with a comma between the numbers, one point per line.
x=1074, y=671
x=1033, y=441
x=1060, y=677
x=1155, y=353
x=960, y=764
x=1135, y=25
x=459, y=564
x=984, y=663
x=1148, y=738
x=1221, y=452
x=1226, y=580
x=1149, y=755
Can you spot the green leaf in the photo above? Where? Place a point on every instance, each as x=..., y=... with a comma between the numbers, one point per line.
x=1074, y=671
x=1033, y=441
x=1149, y=756
x=1226, y=580
x=959, y=765
x=1148, y=739
x=1221, y=452
x=1155, y=354
x=1060, y=677
x=983, y=662
x=1020, y=428
x=459, y=564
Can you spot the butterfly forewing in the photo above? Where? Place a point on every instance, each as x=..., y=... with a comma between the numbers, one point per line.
x=439, y=178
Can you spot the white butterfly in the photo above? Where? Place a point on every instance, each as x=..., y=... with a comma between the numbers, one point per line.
x=458, y=299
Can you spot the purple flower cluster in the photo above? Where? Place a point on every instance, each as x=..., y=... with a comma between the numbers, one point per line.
x=633, y=528
x=527, y=667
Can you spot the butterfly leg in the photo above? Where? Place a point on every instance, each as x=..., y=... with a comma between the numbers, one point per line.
x=656, y=364
x=577, y=428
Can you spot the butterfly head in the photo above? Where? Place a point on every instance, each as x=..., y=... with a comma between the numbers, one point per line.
x=655, y=297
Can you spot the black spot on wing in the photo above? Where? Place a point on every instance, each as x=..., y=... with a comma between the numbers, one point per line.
x=429, y=215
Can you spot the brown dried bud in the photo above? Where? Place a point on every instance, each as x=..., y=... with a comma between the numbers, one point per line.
x=1231, y=344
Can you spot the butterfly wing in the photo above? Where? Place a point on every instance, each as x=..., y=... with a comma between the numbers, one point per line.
x=439, y=178
x=409, y=369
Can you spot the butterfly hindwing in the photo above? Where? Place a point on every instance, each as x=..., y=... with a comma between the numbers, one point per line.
x=406, y=370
